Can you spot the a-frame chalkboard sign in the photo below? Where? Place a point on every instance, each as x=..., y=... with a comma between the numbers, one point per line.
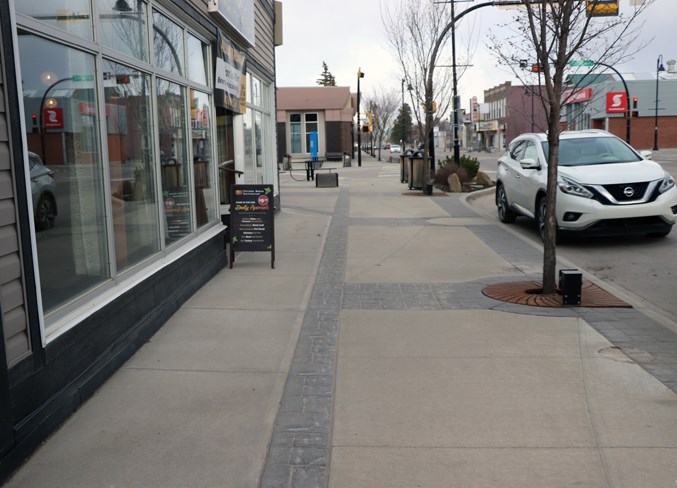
x=252, y=220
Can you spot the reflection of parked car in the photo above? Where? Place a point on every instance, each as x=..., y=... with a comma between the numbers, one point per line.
x=604, y=186
x=42, y=188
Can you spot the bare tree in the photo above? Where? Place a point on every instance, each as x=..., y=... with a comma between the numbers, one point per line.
x=384, y=106
x=558, y=32
x=416, y=32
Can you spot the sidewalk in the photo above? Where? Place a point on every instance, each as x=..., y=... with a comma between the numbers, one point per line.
x=370, y=358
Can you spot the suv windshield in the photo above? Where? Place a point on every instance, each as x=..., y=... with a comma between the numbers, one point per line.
x=593, y=150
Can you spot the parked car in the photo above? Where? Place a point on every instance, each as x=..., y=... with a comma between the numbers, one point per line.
x=394, y=148
x=604, y=186
x=42, y=189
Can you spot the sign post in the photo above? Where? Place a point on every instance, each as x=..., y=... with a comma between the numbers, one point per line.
x=252, y=220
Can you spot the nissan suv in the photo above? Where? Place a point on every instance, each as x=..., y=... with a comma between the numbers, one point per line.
x=604, y=186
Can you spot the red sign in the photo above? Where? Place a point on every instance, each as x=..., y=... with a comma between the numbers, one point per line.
x=579, y=96
x=52, y=118
x=616, y=102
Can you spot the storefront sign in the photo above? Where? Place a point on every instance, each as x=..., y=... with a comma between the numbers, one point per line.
x=238, y=13
x=616, y=102
x=570, y=96
x=231, y=82
x=251, y=220
x=489, y=126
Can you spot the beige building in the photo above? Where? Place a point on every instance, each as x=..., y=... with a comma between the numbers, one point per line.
x=327, y=110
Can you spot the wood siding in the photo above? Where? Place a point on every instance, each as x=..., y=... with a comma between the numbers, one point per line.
x=12, y=301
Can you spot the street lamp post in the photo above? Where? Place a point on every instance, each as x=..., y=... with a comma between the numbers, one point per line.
x=404, y=140
x=659, y=68
x=360, y=74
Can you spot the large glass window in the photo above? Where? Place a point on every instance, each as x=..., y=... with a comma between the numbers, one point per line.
x=60, y=99
x=311, y=126
x=200, y=136
x=167, y=44
x=130, y=163
x=73, y=16
x=174, y=160
x=124, y=27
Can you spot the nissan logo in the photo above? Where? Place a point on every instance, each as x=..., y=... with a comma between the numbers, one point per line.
x=628, y=191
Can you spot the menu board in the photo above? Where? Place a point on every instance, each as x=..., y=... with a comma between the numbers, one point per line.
x=177, y=211
x=251, y=220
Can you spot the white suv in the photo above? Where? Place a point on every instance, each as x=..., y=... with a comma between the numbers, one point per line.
x=605, y=187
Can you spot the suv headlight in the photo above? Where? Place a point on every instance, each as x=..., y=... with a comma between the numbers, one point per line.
x=570, y=187
x=667, y=183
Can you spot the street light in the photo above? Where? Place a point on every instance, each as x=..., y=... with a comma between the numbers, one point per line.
x=403, y=141
x=659, y=68
x=360, y=74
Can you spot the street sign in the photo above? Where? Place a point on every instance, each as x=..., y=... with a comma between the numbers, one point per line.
x=581, y=62
x=601, y=8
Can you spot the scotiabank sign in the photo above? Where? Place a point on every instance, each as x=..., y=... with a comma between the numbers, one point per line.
x=616, y=102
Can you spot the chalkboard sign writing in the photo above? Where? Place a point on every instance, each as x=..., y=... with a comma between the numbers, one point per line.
x=251, y=220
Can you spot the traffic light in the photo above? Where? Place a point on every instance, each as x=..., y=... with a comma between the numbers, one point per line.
x=536, y=68
x=634, y=102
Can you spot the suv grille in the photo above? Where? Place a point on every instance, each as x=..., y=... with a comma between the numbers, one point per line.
x=627, y=192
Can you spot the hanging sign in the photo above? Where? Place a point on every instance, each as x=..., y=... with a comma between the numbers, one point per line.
x=251, y=220
x=230, y=88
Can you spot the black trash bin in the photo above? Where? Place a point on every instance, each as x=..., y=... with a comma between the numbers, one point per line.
x=417, y=171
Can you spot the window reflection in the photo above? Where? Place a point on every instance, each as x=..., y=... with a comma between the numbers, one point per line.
x=167, y=44
x=226, y=151
x=125, y=31
x=130, y=161
x=59, y=93
x=201, y=138
x=197, y=60
x=173, y=160
x=74, y=16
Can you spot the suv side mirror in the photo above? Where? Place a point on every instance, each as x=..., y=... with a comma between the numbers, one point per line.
x=530, y=164
x=646, y=154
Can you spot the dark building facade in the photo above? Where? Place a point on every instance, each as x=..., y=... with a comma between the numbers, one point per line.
x=122, y=127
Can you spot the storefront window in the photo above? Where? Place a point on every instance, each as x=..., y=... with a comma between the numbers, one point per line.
x=167, y=44
x=248, y=124
x=130, y=163
x=60, y=100
x=174, y=165
x=73, y=16
x=200, y=136
x=124, y=30
x=197, y=60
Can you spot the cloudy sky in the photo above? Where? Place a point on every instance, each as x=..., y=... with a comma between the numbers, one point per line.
x=349, y=34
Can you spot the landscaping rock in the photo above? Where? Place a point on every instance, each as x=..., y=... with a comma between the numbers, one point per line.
x=483, y=179
x=455, y=184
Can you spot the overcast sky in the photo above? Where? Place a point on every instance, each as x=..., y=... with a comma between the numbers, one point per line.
x=349, y=34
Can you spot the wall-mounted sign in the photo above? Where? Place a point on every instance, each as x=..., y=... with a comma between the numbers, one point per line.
x=616, y=102
x=230, y=90
x=239, y=14
x=578, y=96
x=53, y=118
x=251, y=220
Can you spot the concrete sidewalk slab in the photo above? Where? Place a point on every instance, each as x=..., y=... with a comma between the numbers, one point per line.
x=396, y=207
x=413, y=254
x=385, y=467
x=162, y=429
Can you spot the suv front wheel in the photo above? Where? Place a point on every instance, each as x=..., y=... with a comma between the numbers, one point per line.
x=505, y=213
x=541, y=210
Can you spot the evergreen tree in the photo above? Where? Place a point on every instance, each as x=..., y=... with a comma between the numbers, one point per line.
x=401, y=130
x=326, y=78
